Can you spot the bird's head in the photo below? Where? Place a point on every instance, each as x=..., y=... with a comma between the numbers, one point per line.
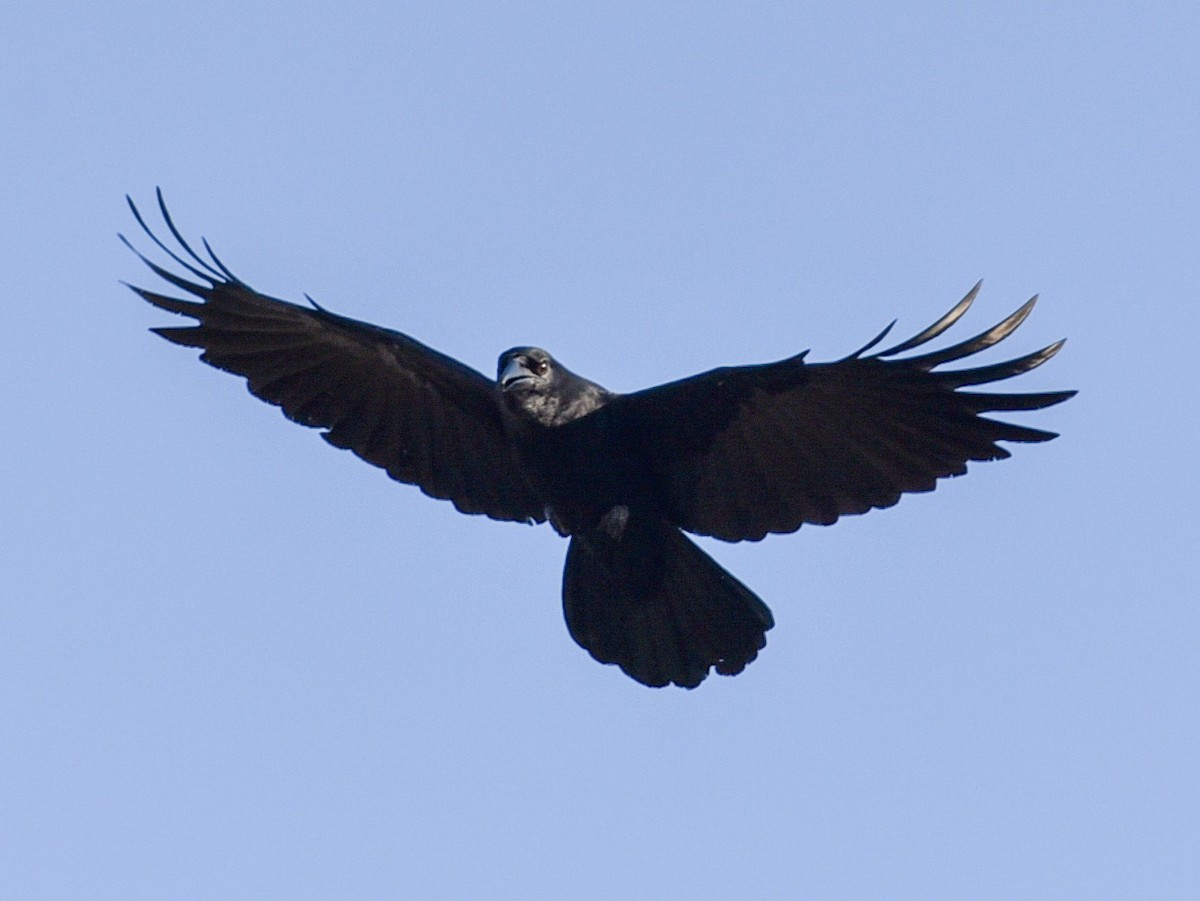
x=526, y=370
x=536, y=386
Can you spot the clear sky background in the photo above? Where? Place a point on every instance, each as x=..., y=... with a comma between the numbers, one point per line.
x=237, y=663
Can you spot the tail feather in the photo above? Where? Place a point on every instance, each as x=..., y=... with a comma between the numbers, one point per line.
x=660, y=608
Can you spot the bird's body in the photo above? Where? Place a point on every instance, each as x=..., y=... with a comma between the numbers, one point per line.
x=734, y=453
x=636, y=590
x=564, y=442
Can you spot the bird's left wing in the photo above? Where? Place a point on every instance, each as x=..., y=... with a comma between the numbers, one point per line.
x=424, y=417
x=743, y=451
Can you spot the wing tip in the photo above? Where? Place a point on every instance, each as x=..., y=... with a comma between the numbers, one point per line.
x=211, y=271
x=941, y=325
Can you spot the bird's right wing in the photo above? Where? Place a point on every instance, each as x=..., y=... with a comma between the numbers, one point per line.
x=424, y=417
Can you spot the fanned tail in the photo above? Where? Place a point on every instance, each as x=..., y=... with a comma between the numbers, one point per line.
x=659, y=607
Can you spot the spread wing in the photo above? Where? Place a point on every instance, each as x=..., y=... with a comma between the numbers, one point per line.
x=743, y=451
x=422, y=416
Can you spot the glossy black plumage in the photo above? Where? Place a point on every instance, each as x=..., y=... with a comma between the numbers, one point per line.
x=735, y=453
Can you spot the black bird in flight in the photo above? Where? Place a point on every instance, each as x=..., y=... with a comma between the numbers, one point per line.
x=734, y=453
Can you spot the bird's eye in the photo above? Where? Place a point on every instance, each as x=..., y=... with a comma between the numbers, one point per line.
x=540, y=367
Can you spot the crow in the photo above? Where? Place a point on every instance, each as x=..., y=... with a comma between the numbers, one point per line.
x=735, y=453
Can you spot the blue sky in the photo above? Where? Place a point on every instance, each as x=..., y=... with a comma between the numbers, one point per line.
x=235, y=662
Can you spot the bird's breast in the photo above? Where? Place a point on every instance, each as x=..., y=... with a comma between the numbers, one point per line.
x=582, y=473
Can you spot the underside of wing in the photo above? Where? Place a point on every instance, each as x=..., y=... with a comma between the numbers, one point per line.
x=425, y=418
x=746, y=451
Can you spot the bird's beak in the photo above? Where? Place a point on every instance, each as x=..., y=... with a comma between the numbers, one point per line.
x=514, y=371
